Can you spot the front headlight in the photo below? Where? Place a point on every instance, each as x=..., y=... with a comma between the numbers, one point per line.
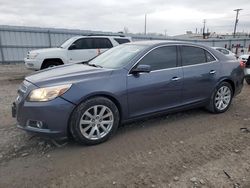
x=32, y=55
x=47, y=93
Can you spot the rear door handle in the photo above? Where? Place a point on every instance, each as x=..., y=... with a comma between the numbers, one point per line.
x=212, y=72
x=176, y=78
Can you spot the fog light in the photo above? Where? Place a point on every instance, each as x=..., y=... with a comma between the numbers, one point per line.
x=39, y=124
x=30, y=64
x=36, y=124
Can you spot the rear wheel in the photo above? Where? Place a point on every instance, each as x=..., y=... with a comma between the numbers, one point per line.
x=94, y=121
x=221, y=98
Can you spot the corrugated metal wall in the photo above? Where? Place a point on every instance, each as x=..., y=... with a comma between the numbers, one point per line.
x=16, y=41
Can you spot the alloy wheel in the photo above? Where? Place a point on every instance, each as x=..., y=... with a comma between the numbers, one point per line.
x=223, y=98
x=96, y=122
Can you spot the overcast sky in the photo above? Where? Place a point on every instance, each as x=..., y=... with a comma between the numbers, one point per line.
x=175, y=16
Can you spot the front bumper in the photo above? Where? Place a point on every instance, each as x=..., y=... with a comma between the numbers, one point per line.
x=33, y=64
x=54, y=116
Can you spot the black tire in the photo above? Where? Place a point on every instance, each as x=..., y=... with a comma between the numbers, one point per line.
x=49, y=64
x=74, y=124
x=211, y=107
x=247, y=80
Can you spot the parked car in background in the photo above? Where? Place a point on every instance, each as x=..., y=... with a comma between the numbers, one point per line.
x=89, y=100
x=225, y=52
x=73, y=50
x=246, y=60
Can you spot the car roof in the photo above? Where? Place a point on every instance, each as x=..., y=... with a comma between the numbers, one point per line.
x=152, y=43
x=156, y=43
x=215, y=47
x=219, y=48
x=99, y=36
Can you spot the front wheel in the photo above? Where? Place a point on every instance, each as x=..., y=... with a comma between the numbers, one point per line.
x=221, y=98
x=94, y=121
x=50, y=64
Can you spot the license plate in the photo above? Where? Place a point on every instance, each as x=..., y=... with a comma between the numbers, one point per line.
x=13, y=109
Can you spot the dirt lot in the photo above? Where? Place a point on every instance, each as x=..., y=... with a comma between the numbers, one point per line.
x=187, y=149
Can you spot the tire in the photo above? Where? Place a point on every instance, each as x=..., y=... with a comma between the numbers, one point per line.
x=247, y=80
x=216, y=99
x=49, y=64
x=90, y=116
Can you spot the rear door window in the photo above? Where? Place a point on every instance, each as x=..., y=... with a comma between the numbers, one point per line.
x=209, y=57
x=192, y=55
x=100, y=43
x=85, y=43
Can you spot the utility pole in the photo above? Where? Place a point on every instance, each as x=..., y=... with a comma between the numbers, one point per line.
x=145, y=25
x=236, y=20
x=204, y=27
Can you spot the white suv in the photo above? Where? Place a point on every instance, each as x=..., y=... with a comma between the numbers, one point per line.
x=74, y=50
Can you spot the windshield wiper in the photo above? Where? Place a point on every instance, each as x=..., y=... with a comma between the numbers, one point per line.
x=93, y=65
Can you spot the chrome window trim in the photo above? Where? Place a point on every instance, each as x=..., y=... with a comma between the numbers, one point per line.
x=158, y=70
x=199, y=64
x=181, y=66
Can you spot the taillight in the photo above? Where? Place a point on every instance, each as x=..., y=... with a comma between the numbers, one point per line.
x=242, y=64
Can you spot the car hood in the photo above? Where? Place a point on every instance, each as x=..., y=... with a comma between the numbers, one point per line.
x=245, y=56
x=45, y=50
x=65, y=74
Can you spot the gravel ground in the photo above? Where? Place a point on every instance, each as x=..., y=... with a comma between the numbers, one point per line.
x=186, y=149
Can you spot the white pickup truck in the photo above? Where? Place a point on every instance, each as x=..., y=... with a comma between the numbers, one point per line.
x=74, y=50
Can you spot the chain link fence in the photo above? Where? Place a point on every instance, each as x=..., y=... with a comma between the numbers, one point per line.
x=16, y=41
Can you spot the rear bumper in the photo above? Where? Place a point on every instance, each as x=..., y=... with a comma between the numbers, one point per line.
x=53, y=115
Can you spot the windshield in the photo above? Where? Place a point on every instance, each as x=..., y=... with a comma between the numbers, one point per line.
x=117, y=57
x=67, y=42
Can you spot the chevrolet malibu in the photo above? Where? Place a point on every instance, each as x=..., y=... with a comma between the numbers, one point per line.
x=89, y=100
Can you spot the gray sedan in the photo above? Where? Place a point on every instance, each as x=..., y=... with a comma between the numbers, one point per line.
x=89, y=100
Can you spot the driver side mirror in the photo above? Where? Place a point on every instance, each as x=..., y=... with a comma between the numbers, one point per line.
x=141, y=68
x=72, y=47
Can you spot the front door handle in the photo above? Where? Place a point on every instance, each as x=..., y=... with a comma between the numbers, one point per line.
x=176, y=78
x=212, y=72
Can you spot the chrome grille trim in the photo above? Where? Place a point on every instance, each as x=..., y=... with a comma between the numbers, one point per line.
x=23, y=87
